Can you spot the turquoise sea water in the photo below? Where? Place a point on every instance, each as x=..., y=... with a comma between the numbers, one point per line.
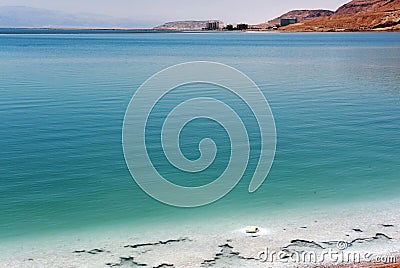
x=335, y=98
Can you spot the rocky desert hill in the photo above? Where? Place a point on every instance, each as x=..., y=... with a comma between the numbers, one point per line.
x=301, y=15
x=357, y=6
x=357, y=15
x=183, y=25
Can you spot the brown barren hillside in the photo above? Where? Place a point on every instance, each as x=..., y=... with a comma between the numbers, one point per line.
x=301, y=15
x=357, y=15
x=357, y=6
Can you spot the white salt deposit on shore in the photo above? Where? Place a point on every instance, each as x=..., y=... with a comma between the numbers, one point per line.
x=361, y=229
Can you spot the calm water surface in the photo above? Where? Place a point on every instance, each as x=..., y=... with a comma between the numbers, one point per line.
x=335, y=98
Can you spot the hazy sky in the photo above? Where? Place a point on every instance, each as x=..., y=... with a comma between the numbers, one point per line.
x=231, y=11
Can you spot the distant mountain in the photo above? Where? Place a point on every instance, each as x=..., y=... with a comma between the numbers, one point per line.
x=29, y=17
x=184, y=25
x=301, y=15
x=357, y=15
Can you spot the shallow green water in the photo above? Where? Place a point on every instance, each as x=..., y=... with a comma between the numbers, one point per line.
x=335, y=98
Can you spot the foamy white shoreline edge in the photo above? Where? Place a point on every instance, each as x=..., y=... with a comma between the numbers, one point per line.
x=222, y=242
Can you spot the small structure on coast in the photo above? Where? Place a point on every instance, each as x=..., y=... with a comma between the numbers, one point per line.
x=242, y=27
x=287, y=21
x=239, y=27
x=212, y=25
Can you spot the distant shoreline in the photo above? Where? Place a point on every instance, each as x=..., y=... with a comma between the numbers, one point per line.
x=144, y=30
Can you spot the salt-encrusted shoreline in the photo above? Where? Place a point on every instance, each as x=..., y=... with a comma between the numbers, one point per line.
x=369, y=231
